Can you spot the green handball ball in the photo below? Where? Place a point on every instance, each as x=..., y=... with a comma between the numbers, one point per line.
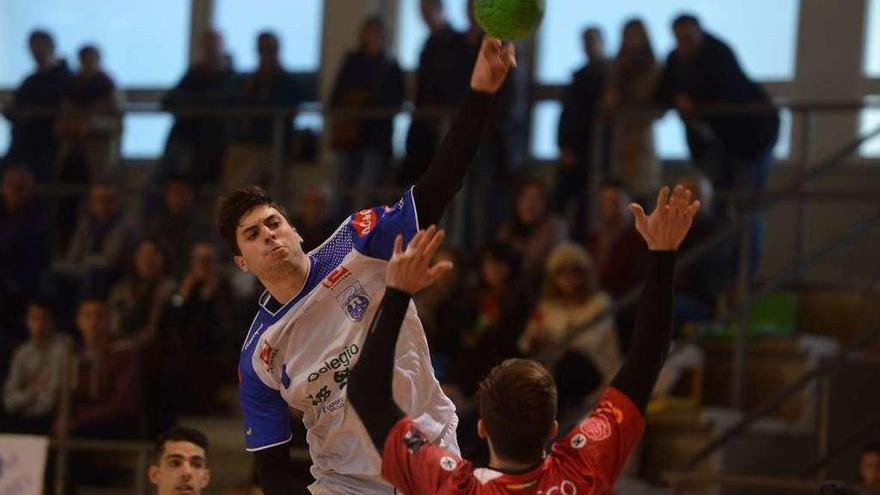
x=509, y=19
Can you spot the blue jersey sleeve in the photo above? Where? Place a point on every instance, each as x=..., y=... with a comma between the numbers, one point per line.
x=376, y=228
x=266, y=418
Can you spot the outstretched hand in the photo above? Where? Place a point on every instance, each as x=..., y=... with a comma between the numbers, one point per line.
x=493, y=62
x=410, y=270
x=669, y=223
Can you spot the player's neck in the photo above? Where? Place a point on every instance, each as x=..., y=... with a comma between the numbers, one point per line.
x=499, y=464
x=287, y=280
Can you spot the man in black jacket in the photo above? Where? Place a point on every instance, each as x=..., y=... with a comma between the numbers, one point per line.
x=734, y=148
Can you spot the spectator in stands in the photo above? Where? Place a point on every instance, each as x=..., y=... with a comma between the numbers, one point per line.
x=106, y=400
x=196, y=145
x=31, y=390
x=439, y=87
x=534, y=230
x=503, y=302
x=198, y=322
x=446, y=309
x=313, y=220
x=90, y=122
x=89, y=125
x=571, y=301
x=577, y=133
x=270, y=87
x=627, y=102
x=137, y=300
x=698, y=285
x=368, y=79
x=24, y=241
x=178, y=224
x=869, y=468
x=180, y=462
x=34, y=143
x=618, y=250
x=735, y=150
x=102, y=240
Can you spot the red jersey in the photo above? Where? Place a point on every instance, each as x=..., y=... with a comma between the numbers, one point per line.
x=587, y=460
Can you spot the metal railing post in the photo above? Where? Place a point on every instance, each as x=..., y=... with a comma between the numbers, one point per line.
x=64, y=419
x=800, y=223
x=741, y=342
x=823, y=421
x=277, y=175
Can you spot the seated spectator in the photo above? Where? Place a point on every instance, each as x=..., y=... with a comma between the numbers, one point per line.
x=198, y=322
x=197, y=144
x=103, y=237
x=24, y=242
x=368, y=79
x=618, y=251
x=178, y=224
x=313, y=220
x=269, y=87
x=533, y=231
x=32, y=388
x=503, y=302
x=446, y=308
x=699, y=285
x=570, y=301
x=627, y=100
x=34, y=143
x=106, y=399
x=180, y=462
x=137, y=300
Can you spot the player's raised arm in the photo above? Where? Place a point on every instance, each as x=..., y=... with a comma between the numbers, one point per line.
x=369, y=387
x=663, y=230
x=444, y=176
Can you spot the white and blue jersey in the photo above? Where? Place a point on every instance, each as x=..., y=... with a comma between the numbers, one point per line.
x=299, y=355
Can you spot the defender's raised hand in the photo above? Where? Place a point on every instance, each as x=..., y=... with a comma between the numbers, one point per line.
x=493, y=62
x=410, y=270
x=668, y=224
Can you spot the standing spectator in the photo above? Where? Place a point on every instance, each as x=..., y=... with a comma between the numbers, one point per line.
x=571, y=299
x=106, y=399
x=89, y=125
x=102, y=239
x=31, y=390
x=24, y=241
x=630, y=89
x=198, y=321
x=270, y=87
x=367, y=80
x=618, y=251
x=534, y=230
x=577, y=134
x=439, y=87
x=178, y=225
x=137, y=300
x=313, y=220
x=735, y=150
x=197, y=144
x=31, y=111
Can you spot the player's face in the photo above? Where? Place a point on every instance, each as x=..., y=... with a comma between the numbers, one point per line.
x=266, y=241
x=869, y=468
x=182, y=469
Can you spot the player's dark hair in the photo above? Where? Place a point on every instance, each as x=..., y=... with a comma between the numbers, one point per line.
x=236, y=204
x=685, y=19
x=517, y=402
x=178, y=434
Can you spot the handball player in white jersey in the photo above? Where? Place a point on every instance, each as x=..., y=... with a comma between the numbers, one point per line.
x=315, y=313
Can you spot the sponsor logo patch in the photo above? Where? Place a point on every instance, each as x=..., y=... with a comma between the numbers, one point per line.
x=335, y=277
x=364, y=222
x=578, y=441
x=354, y=301
x=596, y=428
x=267, y=356
x=448, y=463
x=413, y=441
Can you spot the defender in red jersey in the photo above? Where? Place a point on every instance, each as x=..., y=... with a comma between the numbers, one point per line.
x=517, y=400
